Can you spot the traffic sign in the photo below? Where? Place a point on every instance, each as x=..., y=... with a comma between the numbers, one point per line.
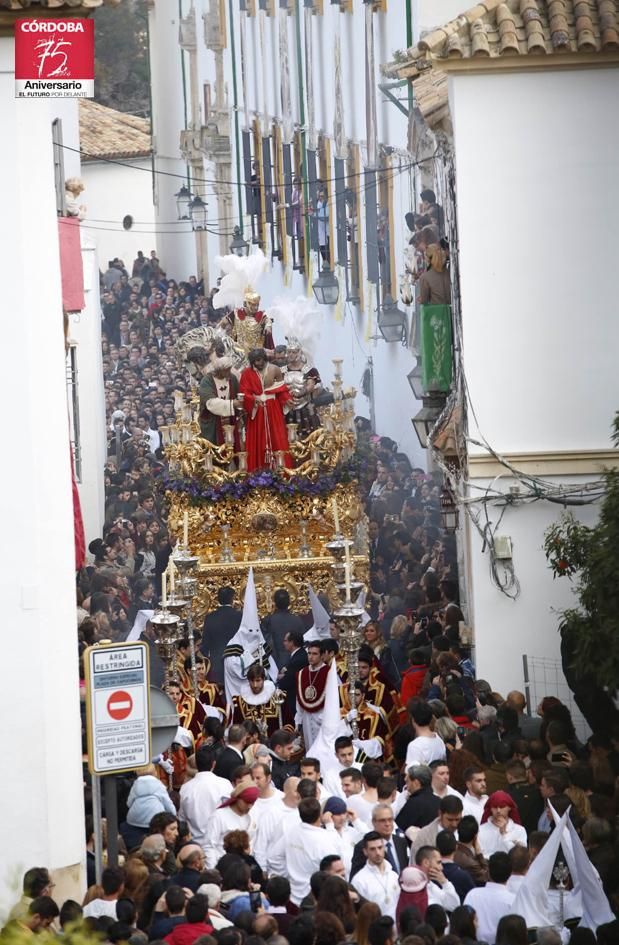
x=117, y=707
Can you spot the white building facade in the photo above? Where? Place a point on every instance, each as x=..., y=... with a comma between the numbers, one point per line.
x=534, y=152
x=280, y=90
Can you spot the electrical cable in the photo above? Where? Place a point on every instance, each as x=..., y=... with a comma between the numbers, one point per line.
x=254, y=185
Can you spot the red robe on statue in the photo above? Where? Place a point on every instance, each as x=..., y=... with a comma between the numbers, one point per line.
x=265, y=427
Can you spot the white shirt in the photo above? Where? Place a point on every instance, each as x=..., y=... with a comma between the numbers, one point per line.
x=491, y=902
x=349, y=836
x=362, y=808
x=450, y=792
x=425, y=749
x=200, y=797
x=514, y=883
x=270, y=841
x=306, y=845
x=491, y=840
x=332, y=781
x=99, y=907
x=379, y=886
x=445, y=896
x=223, y=820
x=474, y=805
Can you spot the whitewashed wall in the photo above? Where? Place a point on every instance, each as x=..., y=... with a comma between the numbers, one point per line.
x=40, y=694
x=113, y=192
x=505, y=629
x=85, y=330
x=177, y=250
x=538, y=215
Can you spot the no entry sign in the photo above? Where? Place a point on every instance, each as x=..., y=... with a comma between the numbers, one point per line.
x=118, y=707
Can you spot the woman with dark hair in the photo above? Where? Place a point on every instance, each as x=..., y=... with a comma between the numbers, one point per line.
x=237, y=842
x=236, y=887
x=463, y=922
x=328, y=929
x=334, y=898
x=512, y=930
x=100, y=603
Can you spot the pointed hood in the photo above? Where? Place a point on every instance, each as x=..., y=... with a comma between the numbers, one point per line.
x=249, y=635
x=532, y=900
x=321, y=629
x=595, y=907
x=250, y=619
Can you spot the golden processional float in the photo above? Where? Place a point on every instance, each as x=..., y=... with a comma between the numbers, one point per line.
x=294, y=526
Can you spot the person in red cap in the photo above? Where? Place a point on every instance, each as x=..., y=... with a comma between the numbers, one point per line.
x=232, y=814
x=501, y=828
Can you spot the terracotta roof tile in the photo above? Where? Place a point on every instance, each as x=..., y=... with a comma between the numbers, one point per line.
x=107, y=133
x=499, y=29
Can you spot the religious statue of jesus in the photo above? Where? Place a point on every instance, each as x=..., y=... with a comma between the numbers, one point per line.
x=264, y=396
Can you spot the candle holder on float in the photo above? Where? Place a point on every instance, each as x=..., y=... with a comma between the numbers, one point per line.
x=305, y=550
x=225, y=555
x=347, y=617
x=166, y=625
x=177, y=605
x=186, y=563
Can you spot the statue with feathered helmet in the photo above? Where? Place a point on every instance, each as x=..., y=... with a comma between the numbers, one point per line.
x=250, y=327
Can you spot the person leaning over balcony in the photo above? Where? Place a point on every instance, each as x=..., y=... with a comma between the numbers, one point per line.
x=434, y=284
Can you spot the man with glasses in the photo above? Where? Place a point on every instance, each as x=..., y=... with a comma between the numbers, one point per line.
x=395, y=845
x=36, y=882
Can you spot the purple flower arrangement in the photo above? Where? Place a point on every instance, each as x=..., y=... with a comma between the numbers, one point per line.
x=265, y=479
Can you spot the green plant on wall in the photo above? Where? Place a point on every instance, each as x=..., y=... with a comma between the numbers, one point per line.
x=589, y=557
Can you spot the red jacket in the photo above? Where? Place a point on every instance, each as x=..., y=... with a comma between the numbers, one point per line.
x=412, y=683
x=187, y=932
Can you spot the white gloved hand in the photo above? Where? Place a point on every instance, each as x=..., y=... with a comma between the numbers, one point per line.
x=167, y=765
x=352, y=715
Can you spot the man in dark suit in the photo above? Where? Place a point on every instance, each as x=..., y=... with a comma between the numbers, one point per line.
x=232, y=756
x=278, y=624
x=219, y=628
x=421, y=807
x=287, y=679
x=396, y=845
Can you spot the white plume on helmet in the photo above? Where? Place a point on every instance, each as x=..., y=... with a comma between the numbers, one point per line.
x=297, y=319
x=241, y=273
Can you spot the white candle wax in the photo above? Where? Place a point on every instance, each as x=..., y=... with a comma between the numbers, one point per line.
x=336, y=516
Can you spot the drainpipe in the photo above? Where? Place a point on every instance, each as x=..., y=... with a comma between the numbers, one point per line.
x=235, y=98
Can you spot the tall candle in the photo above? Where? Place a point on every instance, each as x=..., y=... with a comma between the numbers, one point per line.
x=347, y=580
x=164, y=590
x=336, y=516
x=186, y=528
x=348, y=571
x=171, y=567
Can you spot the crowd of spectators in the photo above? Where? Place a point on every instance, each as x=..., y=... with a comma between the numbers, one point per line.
x=430, y=842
